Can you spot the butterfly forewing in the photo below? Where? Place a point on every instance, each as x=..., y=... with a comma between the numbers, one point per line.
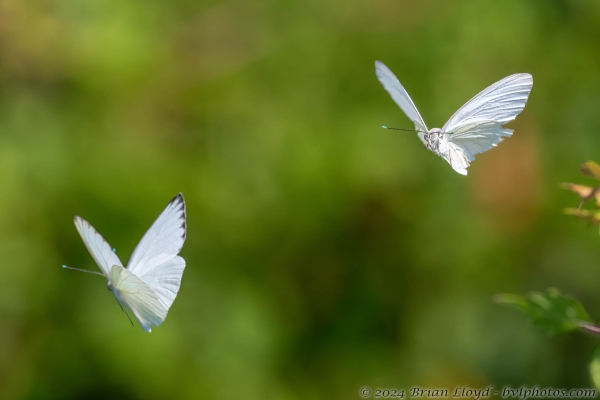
x=98, y=247
x=392, y=85
x=155, y=259
x=499, y=103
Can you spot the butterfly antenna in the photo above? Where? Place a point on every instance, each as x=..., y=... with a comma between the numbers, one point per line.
x=83, y=270
x=399, y=129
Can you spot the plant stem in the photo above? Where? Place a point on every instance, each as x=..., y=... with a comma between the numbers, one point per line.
x=590, y=328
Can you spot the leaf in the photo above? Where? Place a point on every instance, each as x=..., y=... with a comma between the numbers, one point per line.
x=582, y=191
x=595, y=368
x=551, y=311
x=591, y=169
x=585, y=192
x=592, y=217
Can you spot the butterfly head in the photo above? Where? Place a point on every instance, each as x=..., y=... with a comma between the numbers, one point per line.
x=432, y=139
x=109, y=285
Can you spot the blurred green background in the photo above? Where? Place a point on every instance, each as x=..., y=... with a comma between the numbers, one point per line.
x=323, y=253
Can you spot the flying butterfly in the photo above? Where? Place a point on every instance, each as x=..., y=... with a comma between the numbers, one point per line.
x=476, y=126
x=149, y=284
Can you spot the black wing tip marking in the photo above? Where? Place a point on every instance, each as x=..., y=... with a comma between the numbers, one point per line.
x=177, y=199
x=176, y=202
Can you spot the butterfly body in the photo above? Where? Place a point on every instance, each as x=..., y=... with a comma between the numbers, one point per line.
x=432, y=140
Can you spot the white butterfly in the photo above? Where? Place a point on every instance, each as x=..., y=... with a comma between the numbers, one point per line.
x=149, y=284
x=476, y=127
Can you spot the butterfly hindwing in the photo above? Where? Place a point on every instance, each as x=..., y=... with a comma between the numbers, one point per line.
x=135, y=295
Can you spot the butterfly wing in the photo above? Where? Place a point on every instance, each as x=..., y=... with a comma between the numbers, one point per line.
x=477, y=126
x=155, y=259
x=500, y=102
x=98, y=247
x=392, y=85
x=135, y=295
x=453, y=154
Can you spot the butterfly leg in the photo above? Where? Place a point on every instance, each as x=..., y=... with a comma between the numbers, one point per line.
x=122, y=309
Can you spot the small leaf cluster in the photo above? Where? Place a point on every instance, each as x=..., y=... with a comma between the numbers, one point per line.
x=586, y=193
x=551, y=311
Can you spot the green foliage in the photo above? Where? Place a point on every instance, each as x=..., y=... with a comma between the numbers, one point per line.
x=595, y=368
x=586, y=193
x=591, y=169
x=592, y=217
x=551, y=311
